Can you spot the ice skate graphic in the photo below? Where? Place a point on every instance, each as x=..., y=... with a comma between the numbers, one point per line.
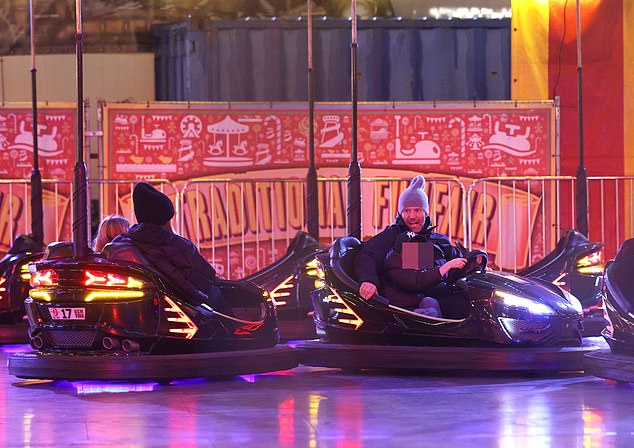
x=425, y=152
x=262, y=154
x=47, y=146
x=511, y=142
x=331, y=134
x=234, y=154
x=185, y=151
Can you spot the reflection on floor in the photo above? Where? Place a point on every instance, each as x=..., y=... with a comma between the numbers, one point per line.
x=319, y=408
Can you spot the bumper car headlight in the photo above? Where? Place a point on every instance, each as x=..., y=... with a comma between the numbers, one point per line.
x=574, y=302
x=514, y=301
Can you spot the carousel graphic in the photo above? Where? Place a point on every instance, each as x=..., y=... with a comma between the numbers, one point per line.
x=228, y=148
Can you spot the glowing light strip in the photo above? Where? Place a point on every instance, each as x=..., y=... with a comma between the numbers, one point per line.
x=37, y=294
x=439, y=319
x=558, y=281
x=590, y=269
x=110, y=279
x=465, y=12
x=590, y=260
x=42, y=278
x=276, y=293
x=113, y=294
x=235, y=319
x=336, y=298
x=191, y=329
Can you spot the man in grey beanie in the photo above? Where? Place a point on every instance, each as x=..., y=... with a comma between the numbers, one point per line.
x=413, y=217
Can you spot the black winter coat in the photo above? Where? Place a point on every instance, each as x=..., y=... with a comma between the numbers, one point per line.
x=173, y=256
x=406, y=287
x=370, y=262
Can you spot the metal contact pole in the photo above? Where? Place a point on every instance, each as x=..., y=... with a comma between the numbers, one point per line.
x=354, y=170
x=582, y=180
x=80, y=183
x=312, y=199
x=37, y=218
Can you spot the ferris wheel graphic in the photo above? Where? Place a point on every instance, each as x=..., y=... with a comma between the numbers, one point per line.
x=191, y=126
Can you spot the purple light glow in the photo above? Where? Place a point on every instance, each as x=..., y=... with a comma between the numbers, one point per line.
x=97, y=387
x=15, y=348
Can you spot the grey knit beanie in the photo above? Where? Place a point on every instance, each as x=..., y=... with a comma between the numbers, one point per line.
x=414, y=195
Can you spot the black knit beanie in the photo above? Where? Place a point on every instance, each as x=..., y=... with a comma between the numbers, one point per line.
x=150, y=205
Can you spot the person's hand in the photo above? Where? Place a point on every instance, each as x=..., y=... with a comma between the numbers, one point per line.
x=367, y=290
x=456, y=263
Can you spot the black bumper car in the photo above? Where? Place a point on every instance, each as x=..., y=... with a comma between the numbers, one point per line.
x=491, y=321
x=290, y=282
x=14, y=288
x=115, y=318
x=617, y=363
x=576, y=265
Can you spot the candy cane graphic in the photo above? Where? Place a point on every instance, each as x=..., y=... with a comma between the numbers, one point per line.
x=463, y=132
x=490, y=120
x=278, y=132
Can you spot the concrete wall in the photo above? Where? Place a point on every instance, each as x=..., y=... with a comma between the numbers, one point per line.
x=109, y=77
x=113, y=77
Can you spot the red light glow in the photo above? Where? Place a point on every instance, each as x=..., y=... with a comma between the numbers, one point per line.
x=44, y=278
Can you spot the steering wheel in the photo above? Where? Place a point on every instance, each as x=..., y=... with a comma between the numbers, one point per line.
x=476, y=262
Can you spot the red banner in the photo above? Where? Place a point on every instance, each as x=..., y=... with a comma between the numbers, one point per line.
x=238, y=225
x=177, y=141
x=56, y=141
x=56, y=129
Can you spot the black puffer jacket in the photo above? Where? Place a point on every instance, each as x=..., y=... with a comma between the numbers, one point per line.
x=406, y=287
x=173, y=256
x=369, y=263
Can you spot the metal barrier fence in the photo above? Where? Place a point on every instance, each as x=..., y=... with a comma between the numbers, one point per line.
x=527, y=215
x=244, y=225
x=15, y=210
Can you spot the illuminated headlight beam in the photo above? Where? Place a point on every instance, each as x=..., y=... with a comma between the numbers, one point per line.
x=531, y=305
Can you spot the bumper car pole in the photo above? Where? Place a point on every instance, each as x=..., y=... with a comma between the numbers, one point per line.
x=37, y=229
x=582, y=181
x=354, y=170
x=80, y=180
x=312, y=200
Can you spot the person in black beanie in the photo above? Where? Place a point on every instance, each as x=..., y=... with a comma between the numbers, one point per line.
x=175, y=257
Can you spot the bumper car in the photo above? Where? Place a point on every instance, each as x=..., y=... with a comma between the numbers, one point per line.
x=492, y=321
x=617, y=363
x=576, y=265
x=109, y=316
x=14, y=288
x=290, y=281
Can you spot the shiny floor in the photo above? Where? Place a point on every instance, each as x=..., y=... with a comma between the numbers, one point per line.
x=319, y=408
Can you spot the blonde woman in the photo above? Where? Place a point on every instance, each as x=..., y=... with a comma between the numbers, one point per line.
x=109, y=228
